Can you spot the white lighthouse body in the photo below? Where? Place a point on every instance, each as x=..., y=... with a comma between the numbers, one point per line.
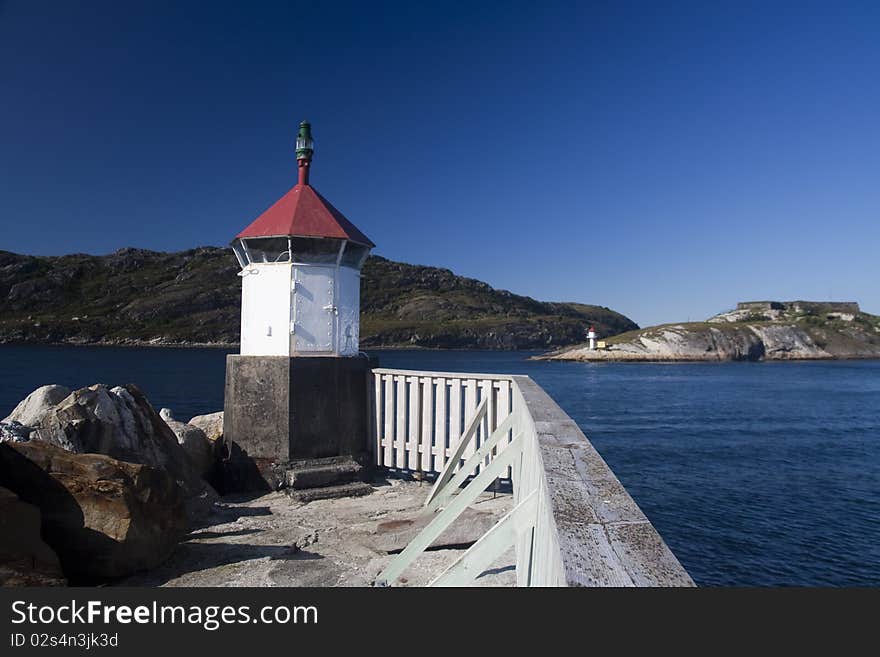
x=300, y=267
x=591, y=336
x=303, y=300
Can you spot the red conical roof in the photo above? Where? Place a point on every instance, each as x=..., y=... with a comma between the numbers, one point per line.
x=303, y=212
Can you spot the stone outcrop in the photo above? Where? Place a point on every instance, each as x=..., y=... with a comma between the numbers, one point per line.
x=195, y=443
x=118, y=422
x=25, y=559
x=31, y=409
x=104, y=518
x=212, y=425
x=14, y=431
x=767, y=330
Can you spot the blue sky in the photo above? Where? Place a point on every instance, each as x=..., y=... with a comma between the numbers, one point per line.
x=662, y=159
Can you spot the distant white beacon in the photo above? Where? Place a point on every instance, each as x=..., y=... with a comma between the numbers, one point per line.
x=591, y=336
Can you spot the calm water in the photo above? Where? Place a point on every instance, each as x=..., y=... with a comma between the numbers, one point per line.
x=754, y=473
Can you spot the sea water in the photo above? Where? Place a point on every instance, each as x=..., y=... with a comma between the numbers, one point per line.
x=754, y=473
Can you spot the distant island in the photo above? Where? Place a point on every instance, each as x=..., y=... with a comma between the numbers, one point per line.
x=192, y=298
x=755, y=330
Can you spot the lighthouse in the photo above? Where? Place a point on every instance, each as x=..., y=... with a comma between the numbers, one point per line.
x=591, y=336
x=300, y=268
x=297, y=391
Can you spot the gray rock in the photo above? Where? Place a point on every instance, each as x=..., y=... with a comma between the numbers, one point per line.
x=33, y=407
x=14, y=432
x=212, y=425
x=25, y=559
x=118, y=422
x=194, y=442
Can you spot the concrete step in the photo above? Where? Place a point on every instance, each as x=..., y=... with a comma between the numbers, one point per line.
x=353, y=489
x=317, y=473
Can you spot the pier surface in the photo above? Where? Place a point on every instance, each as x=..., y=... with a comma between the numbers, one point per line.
x=272, y=541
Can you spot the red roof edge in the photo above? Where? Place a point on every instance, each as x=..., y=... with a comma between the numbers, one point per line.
x=303, y=212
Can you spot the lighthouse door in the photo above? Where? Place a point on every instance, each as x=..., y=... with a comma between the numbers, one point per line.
x=313, y=320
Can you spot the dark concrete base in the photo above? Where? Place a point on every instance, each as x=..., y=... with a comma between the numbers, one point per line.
x=282, y=411
x=354, y=489
x=313, y=473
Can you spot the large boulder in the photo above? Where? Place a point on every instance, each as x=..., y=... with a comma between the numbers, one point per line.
x=32, y=408
x=212, y=425
x=25, y=559
x=195, y=443
x=104, y=518
x=118, y=422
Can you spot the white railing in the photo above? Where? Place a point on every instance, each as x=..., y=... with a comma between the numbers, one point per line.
x=571, y=524
x=420, y=417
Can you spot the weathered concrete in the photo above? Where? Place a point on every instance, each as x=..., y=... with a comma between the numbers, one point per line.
x=313, y=473
x=270, y=541
x=329, y=491
x=603, y=537
x=282, y=409
x=257, y=405
x=329, y=406
x=393, y=536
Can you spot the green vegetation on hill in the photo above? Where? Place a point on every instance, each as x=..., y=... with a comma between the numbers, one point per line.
x=135, y=296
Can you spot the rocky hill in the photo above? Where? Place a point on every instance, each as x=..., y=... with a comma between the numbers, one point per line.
x=134, y=296
x=755, y=330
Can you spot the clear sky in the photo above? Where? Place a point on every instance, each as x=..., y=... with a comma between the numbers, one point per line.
x=662, y=159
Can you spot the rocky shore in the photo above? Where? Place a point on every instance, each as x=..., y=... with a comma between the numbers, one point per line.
x=765, y=330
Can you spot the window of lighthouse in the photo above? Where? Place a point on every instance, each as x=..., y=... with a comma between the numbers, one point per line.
x=268, y=249
x=315, y=251
x=240, y=254
x=354, y=255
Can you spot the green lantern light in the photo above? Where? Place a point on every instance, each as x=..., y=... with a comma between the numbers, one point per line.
x=305, y=146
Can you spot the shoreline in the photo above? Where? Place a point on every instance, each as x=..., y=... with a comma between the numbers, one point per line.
x=232, y=345
x=545, y=357
x=660, y=359
x=135, y=344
